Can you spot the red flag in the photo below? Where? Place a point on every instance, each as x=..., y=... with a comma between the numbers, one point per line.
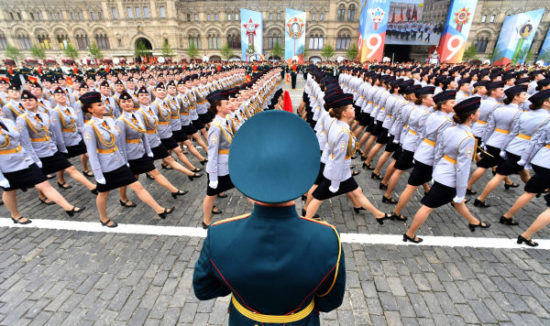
x=70, y=80
x=33, y=79
x=287, y=103
x=6, y=79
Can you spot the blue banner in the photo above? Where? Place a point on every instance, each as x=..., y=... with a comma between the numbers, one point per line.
x=295, y=35
x=373, y=21
x=251, y=35
x=544, y=54
x=516, y=36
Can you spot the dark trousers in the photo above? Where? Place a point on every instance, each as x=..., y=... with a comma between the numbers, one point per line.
x=293, y=79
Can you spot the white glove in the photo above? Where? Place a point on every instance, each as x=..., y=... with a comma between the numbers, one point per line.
x=521, y=162
x=128, y=164
x=503, y=154
x=39, y=164
x=458, y=200
x=150, y=155
x=101, y=180
x=333, y=189
x=4, y=183
x=213, y=184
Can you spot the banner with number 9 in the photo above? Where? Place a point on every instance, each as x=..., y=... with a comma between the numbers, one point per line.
x=457, y=27
x=373, y=22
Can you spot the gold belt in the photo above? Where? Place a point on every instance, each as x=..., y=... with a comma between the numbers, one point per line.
x=68, y=129
x=151, y=131
x=164, y=123
x=482, y=122
x=547, y=146
x=223, y=151
x=133, y=141
x=502, y=131
x=273, y=319
x=107, y=151
x=524, y=136
x=38, y=140
x=10, y=151
x=449, y=159
x=412, y=132
x=429, y=142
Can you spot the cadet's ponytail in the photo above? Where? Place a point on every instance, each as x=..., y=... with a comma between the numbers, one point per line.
x=337, y=112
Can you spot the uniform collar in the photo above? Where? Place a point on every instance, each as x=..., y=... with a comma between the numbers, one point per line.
x=278, y=212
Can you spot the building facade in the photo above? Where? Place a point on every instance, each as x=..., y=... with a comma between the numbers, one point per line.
x=119, y=26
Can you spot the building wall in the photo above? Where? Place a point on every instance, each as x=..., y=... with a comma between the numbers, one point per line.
x=178, y=20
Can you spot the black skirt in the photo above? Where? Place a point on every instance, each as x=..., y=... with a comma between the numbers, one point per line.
x=377, y=128
x=179, y=135
x=405, y=160
x=76, y=150
x=54, y=163
x=169, y=143
x=538, y=183
x=224, y=184
x=383, y=136
x=420, y=174
x=390, y=145
x=438, y=195
x=24, y=179
x=120, y=177
x=364, y=119
x=320, y=176
x=141, y=165
x=370, y=126
x=205, y=118
x=510, y=165
x=323, y=193
x=159, y=152
x=397, y=151
x=189, y=129
x=198, y=124
x=488, y=161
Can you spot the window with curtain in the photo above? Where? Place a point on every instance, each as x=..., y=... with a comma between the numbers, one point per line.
x=73, y=16
x=316, y=41
x=114, y=13
x=343, y=40
x=341, y=13
x=25, y=42
x=214, y=41
x=59, y=16
x=44, y=40
x=39, y=15
x=195, y=40
x=481, y=44
x=228, y=17
x=351, y=12
x=100, y=15
x=102, y=41
x=62, y=40
x=145, y=12
x=82, y=41
x=162, y=12
x=92, y=15
x=130, y=13
x=234, y=40
x=273, y=38
x=80, y=16
x=138, y=12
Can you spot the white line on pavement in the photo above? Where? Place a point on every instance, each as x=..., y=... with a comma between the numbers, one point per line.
x=361, y=238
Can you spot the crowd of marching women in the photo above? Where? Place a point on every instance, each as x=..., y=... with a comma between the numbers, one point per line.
x=434, y=121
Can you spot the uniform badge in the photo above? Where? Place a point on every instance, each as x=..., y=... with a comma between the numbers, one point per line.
x=469, y=150
x=342, y=146
x=213, y=138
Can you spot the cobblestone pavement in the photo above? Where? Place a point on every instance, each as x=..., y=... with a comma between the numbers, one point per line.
x=82, y=278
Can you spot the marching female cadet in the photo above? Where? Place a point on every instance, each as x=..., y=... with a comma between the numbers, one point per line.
x=378, y=114
x=108, y=164
x=453, y=156
x=341, y=144
x=109, y=102
x=435, y=125
x=43, y=104
x=542, y=220
x=40, y=137
x=162, y=109
x=535, y=157
x=175, y=122
x=136, y=150
x=186, y=118
x=13, y=108
x=67, y=127
x=220, y=136
x=20, y=167
x=514, y=139
x=150, y=120
x=416, y=119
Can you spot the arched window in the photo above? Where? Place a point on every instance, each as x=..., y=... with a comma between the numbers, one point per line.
x=341, y=12
x=24, y=40
x=481, y=43
x=234, y=40
x=194, y=39
x=62, y=39
x=351, y=12
x=44, y=40
x=273, y=38
x=343, y=40
x=3, y=41
x=102, y=41
x=82, y=40
x=316, y=40
x=214, y=40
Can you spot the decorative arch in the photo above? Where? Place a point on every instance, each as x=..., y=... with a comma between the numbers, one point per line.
x=341, y=12
x=343, y=39
x=214, y=39
x=275, y=35
x=316, y=39
x=82, y=38
x=194, y=38
x=234, y=38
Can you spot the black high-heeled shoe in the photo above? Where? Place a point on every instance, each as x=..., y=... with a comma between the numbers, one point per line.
x=166, y=212
x=203, y=162
x=197, y=170
x=470, y=192
x=528, y=242
x=179, y=193
x=222, y=195
x=414, y=239
x=196, y=175
x=382, y=186
x=380, y=220
x=87, y=174
x=218, y=212
x=387, y=200
x=43, y=201
x=395, y=217
x=354, y=173
x=481, y=225
x=367, y=166
x=375, y=176
x=315, y=217
x=127, y=203
x=64, y=186
x=482, y=204
x=204, y=225
x=75, y=211
x=149, y=177
x=18, y=220
x=358, y=209
x=106, y=223
x=508, y=221
x=512, y=185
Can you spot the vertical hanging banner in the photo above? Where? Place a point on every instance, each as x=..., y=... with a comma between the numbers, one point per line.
x=251, y=35
x=295, y=35
x=544, y=54
x=457, y=27
x=373, y=21
x=516, y=36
